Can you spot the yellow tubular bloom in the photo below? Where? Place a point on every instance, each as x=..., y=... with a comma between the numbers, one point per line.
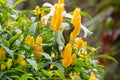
x=2, y=54
x=2, y=67
x=75, y=77
x=9, y=63
x=30, y=40
x=57, y=17
x=79, y=43
x=92, y=77
x=43, y=20
x=76, y=21
x=37, y=10
x=38, y=47
x=83, y=55
x=21, y=60
x=60, y=1
x=73, y=59
x=67, y=55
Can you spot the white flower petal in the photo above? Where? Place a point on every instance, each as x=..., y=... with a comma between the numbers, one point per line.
x=65, y=14
x=47, y=5
x=50, y=13
x=45, y=18
x=86, y=30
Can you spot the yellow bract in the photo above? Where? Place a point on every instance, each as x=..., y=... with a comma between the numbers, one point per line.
x=38, y=47
x=67, y=55
x=21, y=60
x=37, y=10
x=79, y=43
x=74, y=59
x=30, y=40
x=57, y=17
x=92, y=77
x=76, y=21
x=2, y=54
x=43, y=20
x=60, y=1
x=9, y=63
x=83, y=55
x=75, y=77
x=2, y=67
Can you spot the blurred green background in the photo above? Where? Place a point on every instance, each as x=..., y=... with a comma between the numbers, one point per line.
x=105, y=24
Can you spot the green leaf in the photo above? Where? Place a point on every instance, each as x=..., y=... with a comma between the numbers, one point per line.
x=60, y=74
x=3, y=2
x=47, y=56
x=15, y=77
x=60, y=39
x=14, y=71
x=8, y=50
x=59, y=66
x=85, y=14
x=4, y=63
x=39, y=65
x=24, y=12
x=33, y=63
x=26, y=77
x=46, y=72
x=32, y=29
x=12, y=39
x=106, y=56
x=17, y=2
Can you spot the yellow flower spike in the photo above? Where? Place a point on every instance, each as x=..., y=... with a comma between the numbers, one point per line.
x=92, y=77
x=78, y=73
x=37, y=10
x=2, y=67
x=43, y=20
x=60, y=1
x=79, y=43
x=30, y=40
x=9, y=63
x=20, y=58
x=23, y=62
x=67, y=55
x=2, y=54
x=38, y=47
x=27, y=38
x=57, y=17
x=74, y=59
x=84, y=55
x=76, y=21
x=75, y=77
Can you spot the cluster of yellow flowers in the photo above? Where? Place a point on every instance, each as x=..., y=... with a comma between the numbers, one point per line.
x=92, y=77
x=56, y=21
x=2, y=58
x=2, y=54
x=68, y=57
x=21, y=60
x=37, y=13
x=36, y=45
